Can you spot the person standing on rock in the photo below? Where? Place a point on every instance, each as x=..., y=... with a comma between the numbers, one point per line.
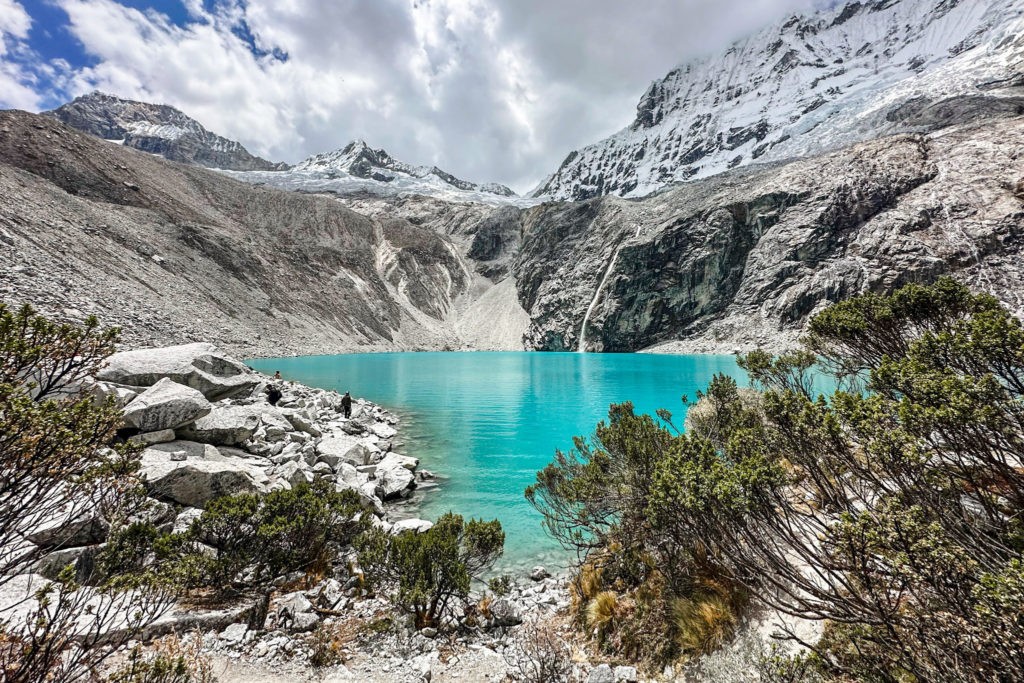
x=277, y=374
x=346, y=405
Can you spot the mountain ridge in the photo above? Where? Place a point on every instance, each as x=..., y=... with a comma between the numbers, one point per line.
x=157, y=129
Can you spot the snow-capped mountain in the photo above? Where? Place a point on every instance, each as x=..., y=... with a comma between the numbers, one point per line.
x=808, y=84
x=357, y=168
x=158, y=129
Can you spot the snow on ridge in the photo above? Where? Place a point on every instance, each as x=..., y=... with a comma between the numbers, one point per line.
x=807, y=84
x=339, y=182
x=359, y=168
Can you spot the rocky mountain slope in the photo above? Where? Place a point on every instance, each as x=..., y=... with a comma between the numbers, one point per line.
x=158, y=129
x=358, y=169
x=177, y=253
x=743, y=258
x=862, y=70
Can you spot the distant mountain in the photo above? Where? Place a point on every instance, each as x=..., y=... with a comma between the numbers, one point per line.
x=357, y=168
x=158, y=129
x=808, y=84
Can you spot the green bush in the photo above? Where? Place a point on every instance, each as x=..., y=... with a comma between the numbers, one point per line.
x=890, y=510
x=259, y=538
x=429, y=573
x=500, y=585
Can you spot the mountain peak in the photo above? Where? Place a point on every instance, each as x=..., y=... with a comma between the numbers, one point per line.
x=157, y=129
x=359, y=160
x=805, y=85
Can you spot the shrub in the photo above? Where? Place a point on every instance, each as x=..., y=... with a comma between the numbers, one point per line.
x=602, y=611
x=57, y=462
x=891, y=510
x=170, y=661
x=702, y=624
x=540, y=654
x=260, y=538
x=429, y=573
x=500, y=585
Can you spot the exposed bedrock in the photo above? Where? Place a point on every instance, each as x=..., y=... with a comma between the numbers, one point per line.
x=744, y=258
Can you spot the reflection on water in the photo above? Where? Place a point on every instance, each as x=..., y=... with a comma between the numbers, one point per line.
x=486, y=422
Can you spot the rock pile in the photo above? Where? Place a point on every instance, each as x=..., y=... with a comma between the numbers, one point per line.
x=208, y=431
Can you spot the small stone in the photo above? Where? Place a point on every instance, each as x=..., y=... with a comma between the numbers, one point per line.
x=539, y=573
x=235, y=633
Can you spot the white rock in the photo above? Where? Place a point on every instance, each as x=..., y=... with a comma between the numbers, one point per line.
x=302, y=423
x=293, y=474
x=395, y=476
x=224, y=425
x=601, y=674
x=335, y=448
x=416, y=525
x=205, y=474
x=234, y=633
x=75, y=524
x=384, y=431
x=165, y=405
x=200, y=366
x=625, y=674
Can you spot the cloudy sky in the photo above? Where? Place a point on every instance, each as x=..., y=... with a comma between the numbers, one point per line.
x=490, y=90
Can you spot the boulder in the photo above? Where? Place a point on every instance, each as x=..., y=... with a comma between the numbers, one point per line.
x=383, y=431
x=234, y=633
x=368, y=495
x=336, y=448
x=52, y=564
x=76, y=524
x=295, y=612
x=395, y=476
x=504, y=613
x=204, y=474
x=224, y=426
x=302, y=423
x=165, y=405
x=121, y=396
x=350, y=475
x=292, y=473
x=328, y=595
x=200, y=366
x=539, y=573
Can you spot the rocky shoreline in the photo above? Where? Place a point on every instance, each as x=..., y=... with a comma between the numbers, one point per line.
x=207, y=430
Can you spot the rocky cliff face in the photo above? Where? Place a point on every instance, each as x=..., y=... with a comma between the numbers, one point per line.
x=176, y=253
x=865, y=69
x=158, y=129
x=743, y=258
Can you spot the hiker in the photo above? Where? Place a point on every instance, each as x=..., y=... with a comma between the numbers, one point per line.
x=273, y=395
x=346, y=405
x=277, y=375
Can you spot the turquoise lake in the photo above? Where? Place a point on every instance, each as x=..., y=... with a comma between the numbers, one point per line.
x=485, y=423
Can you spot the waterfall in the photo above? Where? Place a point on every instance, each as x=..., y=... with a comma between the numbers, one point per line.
x=582, y=348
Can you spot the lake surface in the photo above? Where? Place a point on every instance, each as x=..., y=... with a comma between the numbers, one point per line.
x=485, y=423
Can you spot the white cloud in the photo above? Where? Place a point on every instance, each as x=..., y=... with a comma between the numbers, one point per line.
x=17, y=81
x=486, y=89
